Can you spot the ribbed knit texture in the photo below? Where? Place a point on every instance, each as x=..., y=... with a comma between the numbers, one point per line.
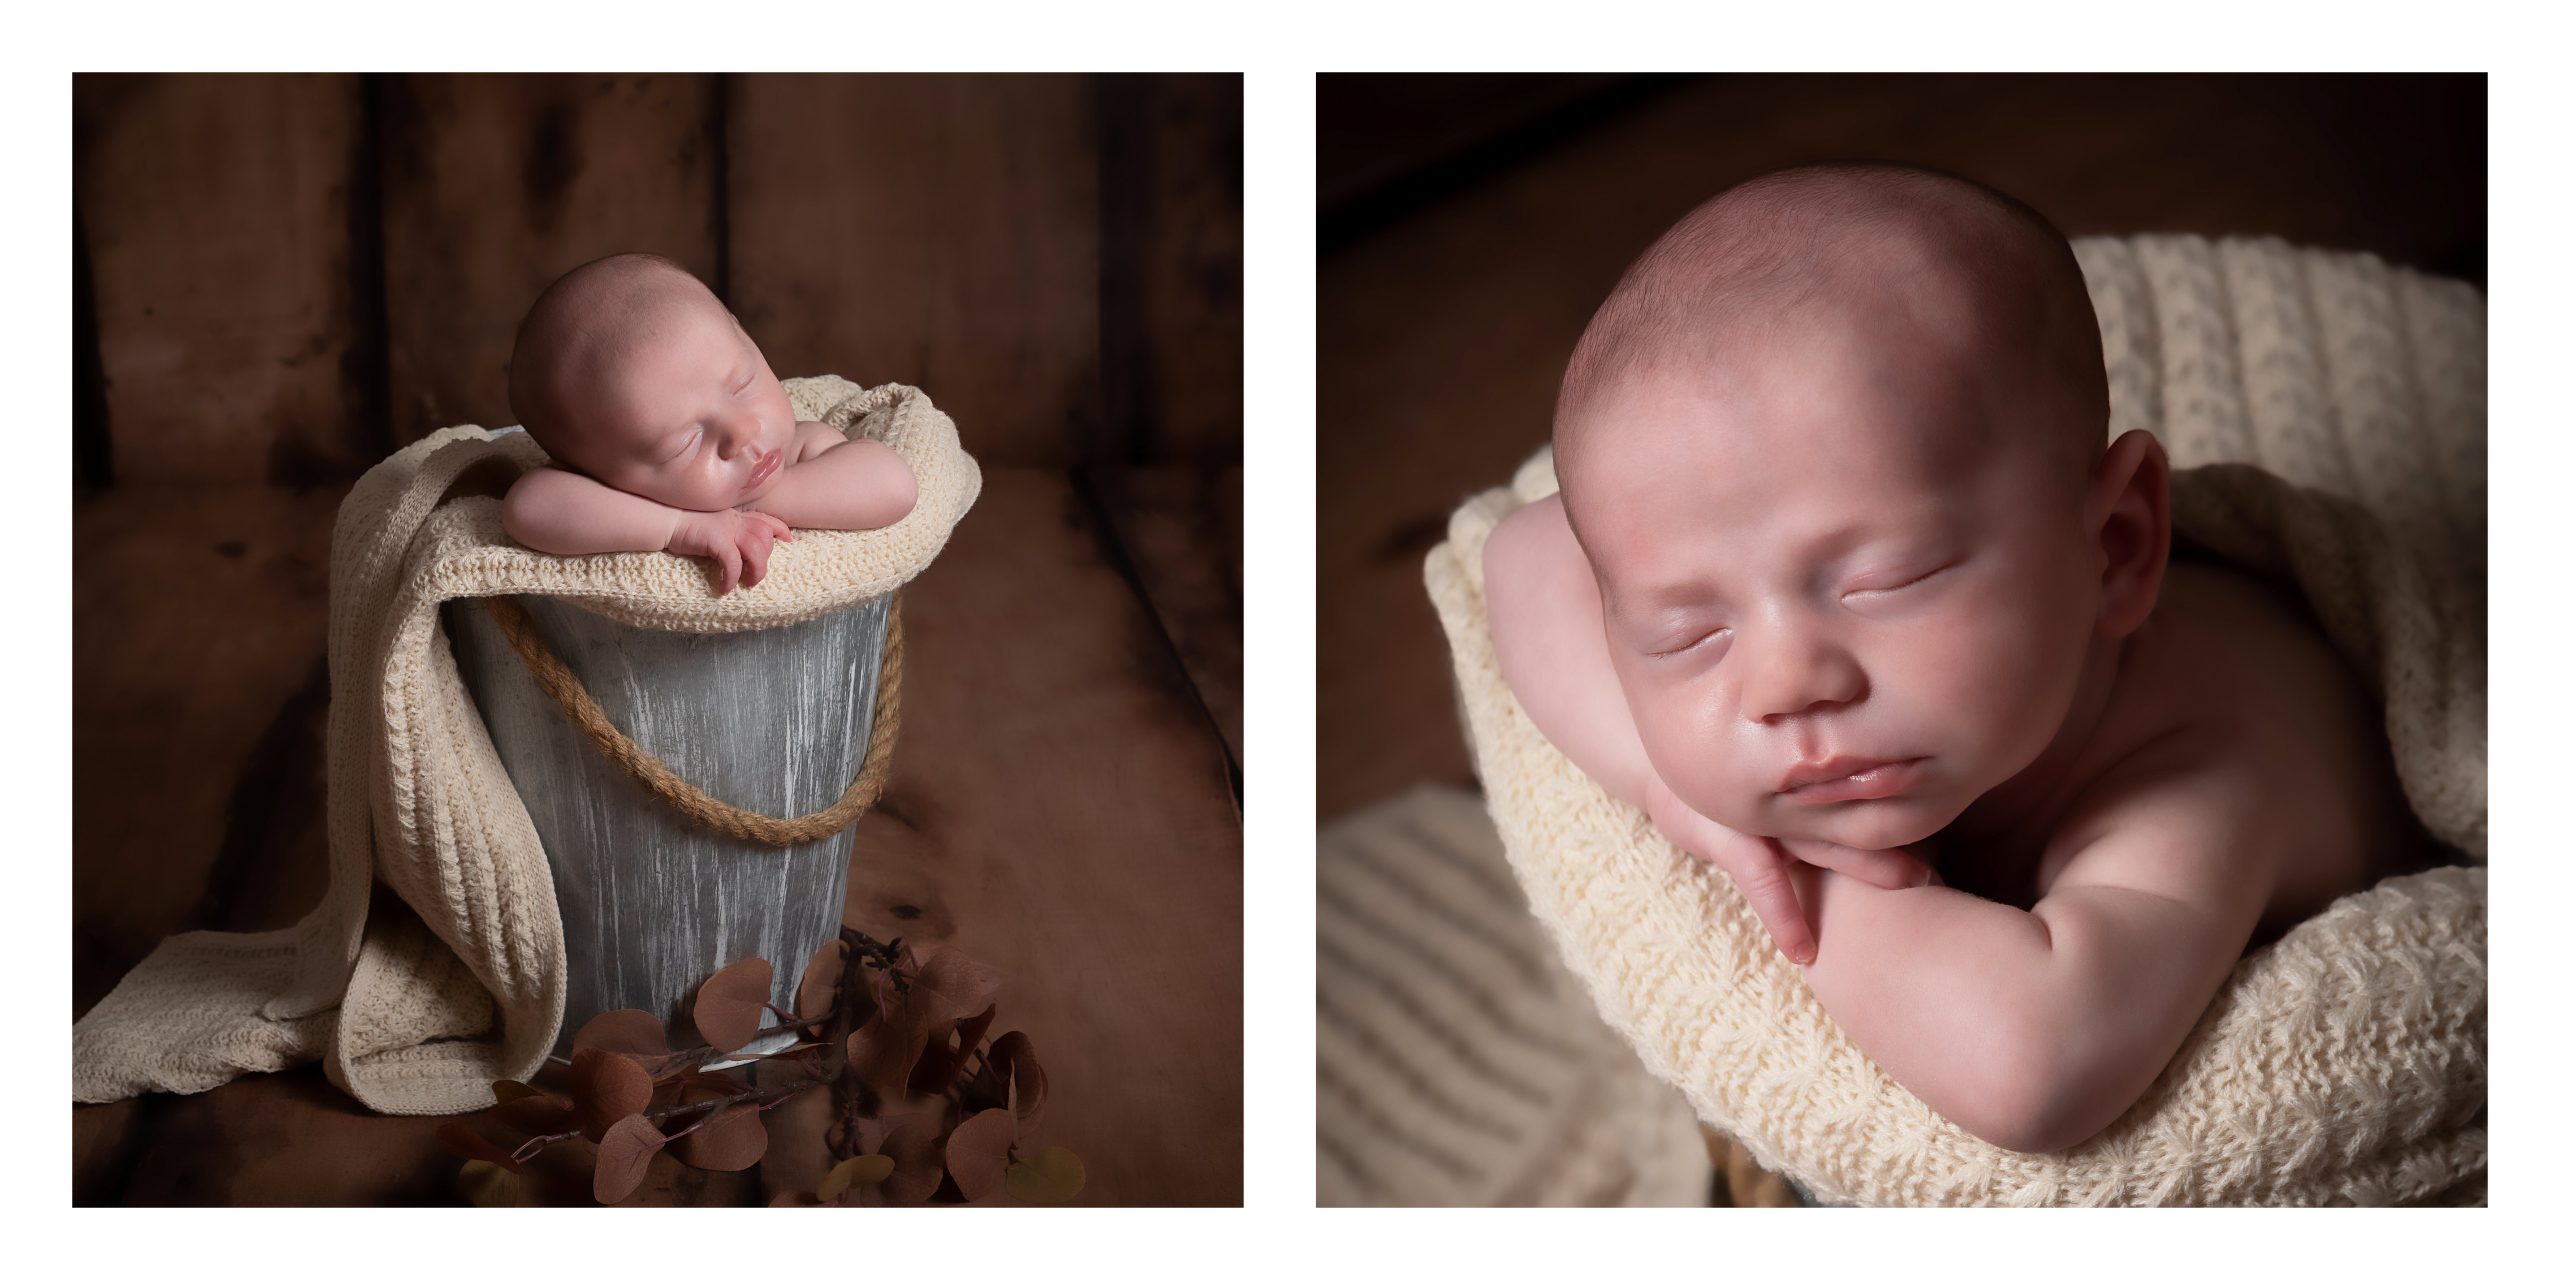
x=2344, y=1064
x=434, y=963
x=1457, y=1063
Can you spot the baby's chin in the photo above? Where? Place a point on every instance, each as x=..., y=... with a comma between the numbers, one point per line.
x=1894, y=823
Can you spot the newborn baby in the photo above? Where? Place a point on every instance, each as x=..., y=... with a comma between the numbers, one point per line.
x=1847, y=588
x=667, y=431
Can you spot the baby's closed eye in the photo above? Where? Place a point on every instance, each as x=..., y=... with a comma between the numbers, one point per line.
x=1895, y=582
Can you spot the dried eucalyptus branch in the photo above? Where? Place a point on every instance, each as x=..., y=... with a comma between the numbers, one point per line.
x=922, y=1109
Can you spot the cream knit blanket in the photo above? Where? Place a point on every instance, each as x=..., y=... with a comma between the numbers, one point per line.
x=434, y=963
x=2346, y=1062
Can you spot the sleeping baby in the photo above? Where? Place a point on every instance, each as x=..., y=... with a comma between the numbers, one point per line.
x=667, y=431
x=1847, y=588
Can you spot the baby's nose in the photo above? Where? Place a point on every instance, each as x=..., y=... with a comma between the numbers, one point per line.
x=1796, y=678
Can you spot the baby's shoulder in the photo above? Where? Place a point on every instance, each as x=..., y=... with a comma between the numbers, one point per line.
x=2252, y=756
x=809, y=439
x=2241, y=663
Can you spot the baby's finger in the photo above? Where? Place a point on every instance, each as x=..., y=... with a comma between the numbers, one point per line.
x=1883, y=868
x=780, y=529
x=728, y=568
x=756, y=549
x=1760, y=871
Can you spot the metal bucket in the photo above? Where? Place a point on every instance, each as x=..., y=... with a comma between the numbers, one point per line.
x=775, y=721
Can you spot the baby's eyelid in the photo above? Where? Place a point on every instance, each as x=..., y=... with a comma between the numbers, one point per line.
x=1677, y=650
x=1908, y=582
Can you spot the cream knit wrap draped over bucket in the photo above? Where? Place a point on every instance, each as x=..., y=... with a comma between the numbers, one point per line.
x=435, y=963
x=2345, y=1063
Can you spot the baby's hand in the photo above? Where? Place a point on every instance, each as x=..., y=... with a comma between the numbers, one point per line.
x=737, y=539
x=1759, y=866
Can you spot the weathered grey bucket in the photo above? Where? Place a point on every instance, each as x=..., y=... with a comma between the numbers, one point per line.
x=776, y=722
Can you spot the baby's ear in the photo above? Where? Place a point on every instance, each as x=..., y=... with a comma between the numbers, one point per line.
x=2129, y=514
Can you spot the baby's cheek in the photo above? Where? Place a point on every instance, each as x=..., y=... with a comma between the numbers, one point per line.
x=1700, y=765
x=2006, y=675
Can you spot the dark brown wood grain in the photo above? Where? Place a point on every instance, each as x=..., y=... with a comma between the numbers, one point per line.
x=224, y=220
x=1441, y=334
x=1182, y=531
x=494, y=185
x=939, y=231
x=1172, y=277
x=199, y=629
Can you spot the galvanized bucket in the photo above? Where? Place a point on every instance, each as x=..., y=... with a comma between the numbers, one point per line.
x=777, y=722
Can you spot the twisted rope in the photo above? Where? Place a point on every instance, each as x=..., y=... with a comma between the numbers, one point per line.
x=653, y=775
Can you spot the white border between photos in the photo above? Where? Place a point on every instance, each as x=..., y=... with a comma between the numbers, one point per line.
x=1280, y=47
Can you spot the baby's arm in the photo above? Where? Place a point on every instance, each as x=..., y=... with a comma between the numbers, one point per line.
x=1543, y=607
x=833, y=483
x=2033, y=1030
x=568, y=514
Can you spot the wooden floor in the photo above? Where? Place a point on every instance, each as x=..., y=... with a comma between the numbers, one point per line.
x=1442, y=329
x=1065, y=807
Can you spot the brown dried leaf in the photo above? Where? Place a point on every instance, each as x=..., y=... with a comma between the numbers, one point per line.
x=1051, y=1175
x=606, y=1087
x=951, y=986
x=622, y=1158
x=911, y=1138
x=468, y=1143
x=490, y=1187
x=1027, y=1085
x=673, y=1090
x=882, y=1052
x=978, y=1152
x=819, y=979
x=733, y=1140
x=730, y=1004
x=936, y=1067
x=635, y=1032
x=973, y=1030
x=858, y=1172
x=793, y=1200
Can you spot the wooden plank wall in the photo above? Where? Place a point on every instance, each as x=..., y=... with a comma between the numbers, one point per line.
x=288, y=275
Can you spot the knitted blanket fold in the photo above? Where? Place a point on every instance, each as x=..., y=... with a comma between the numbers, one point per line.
x=434, y=962
x=2345, y=1063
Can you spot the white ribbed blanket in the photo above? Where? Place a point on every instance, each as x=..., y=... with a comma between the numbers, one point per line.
x=1457, y=1063
x=2345, y=1063
x=434, y=964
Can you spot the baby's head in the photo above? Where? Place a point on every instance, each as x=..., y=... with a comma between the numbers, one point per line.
x=629, y=370
x=1836, y=447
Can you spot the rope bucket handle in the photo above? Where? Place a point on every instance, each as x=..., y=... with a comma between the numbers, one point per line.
x=653, y=775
